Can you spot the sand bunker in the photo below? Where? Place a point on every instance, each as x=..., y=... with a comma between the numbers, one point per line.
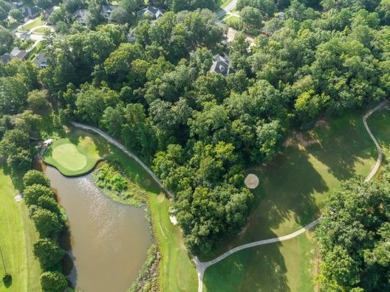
x=251, y=181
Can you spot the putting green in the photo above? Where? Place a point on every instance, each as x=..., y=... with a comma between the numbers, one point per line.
x=73, y=158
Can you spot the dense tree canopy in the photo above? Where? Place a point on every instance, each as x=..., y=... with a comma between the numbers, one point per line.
x=354, y=236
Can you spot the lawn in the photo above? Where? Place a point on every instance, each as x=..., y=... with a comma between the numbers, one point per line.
x=292, y=191
x=36, y=22
x=17, y=235
x=73, y=156
x=285, y=266
x=42, y=30
x=177, y=272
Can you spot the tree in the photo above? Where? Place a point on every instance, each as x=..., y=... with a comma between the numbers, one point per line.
x=53, y=281
x=251, y=17
x=33, y=192
x=353, y=236
x=6, y=40
x=48, y=252
x=46, y=222
x=13, y=95
x=16, y=14
x=13, y=142
x=38, y=100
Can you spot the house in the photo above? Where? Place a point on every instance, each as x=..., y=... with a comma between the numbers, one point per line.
x=150, y=11
x=5, y=58
x=41, y=60
x=107, y=10
x=24, y=36
x=220, y=65
x=19, y=54
x=81, y=16
x=30, y=12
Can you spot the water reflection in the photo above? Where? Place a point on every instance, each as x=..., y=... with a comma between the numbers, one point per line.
x=109, y=240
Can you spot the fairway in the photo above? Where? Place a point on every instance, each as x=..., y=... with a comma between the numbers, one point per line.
x=73, y=156
x=17, y=235
x=291, y=193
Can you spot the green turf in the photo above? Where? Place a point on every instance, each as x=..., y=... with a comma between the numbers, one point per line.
x=177, y=272
x=17, y=235
x=73, y=156
x=285, y=266
x=42, y=30
x=37, y=22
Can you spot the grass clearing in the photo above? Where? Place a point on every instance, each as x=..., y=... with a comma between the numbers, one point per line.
x=42, y=30
x=73, y=156
x=285, y=266
x=17, y=235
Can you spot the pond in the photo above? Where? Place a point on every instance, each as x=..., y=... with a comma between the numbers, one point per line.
x=108, y=240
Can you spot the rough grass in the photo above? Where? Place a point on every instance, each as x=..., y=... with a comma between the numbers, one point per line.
x=177, y=272
x=17, y=235
x=74, y=156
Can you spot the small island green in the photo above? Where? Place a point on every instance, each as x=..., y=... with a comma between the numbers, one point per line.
x=73, y=157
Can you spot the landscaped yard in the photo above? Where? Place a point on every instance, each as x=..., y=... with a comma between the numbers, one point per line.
x=73, y=156
x=17, y=235
x=292, y=191
x=36, y=22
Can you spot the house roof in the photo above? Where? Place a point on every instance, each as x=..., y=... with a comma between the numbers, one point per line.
x=220, y=65
x=17, y=53
x=81, y=16
x=40, y=60
x=5, y=58
x=151, y=11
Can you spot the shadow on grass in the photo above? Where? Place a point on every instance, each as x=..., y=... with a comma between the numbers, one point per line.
x=7, y=280
x=344, y=146
x=256, y=269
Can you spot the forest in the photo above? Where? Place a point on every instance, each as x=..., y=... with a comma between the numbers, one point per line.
x=197, y=129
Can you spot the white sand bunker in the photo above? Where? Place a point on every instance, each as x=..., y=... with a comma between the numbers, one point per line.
x=18, y=197
x=173, y=219
x=251, y=181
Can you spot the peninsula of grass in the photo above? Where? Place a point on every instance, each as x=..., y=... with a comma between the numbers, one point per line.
x=73, y=156
x=17, y=235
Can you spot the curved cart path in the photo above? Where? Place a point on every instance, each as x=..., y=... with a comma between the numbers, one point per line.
x=202, y=266
x=128, y=153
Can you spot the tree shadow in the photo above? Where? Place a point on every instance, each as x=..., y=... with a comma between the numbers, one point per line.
x=344, y=146
x=7, y=280
x=260, y=268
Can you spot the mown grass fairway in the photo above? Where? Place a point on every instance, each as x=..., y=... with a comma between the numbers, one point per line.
x=285, y=266
x=73, y=156
x=291, y=193
x=177, y=272
x=17, y=235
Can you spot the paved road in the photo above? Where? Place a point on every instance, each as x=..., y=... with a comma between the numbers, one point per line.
x=123, y=148
x=202, y=266
x=226, y=8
